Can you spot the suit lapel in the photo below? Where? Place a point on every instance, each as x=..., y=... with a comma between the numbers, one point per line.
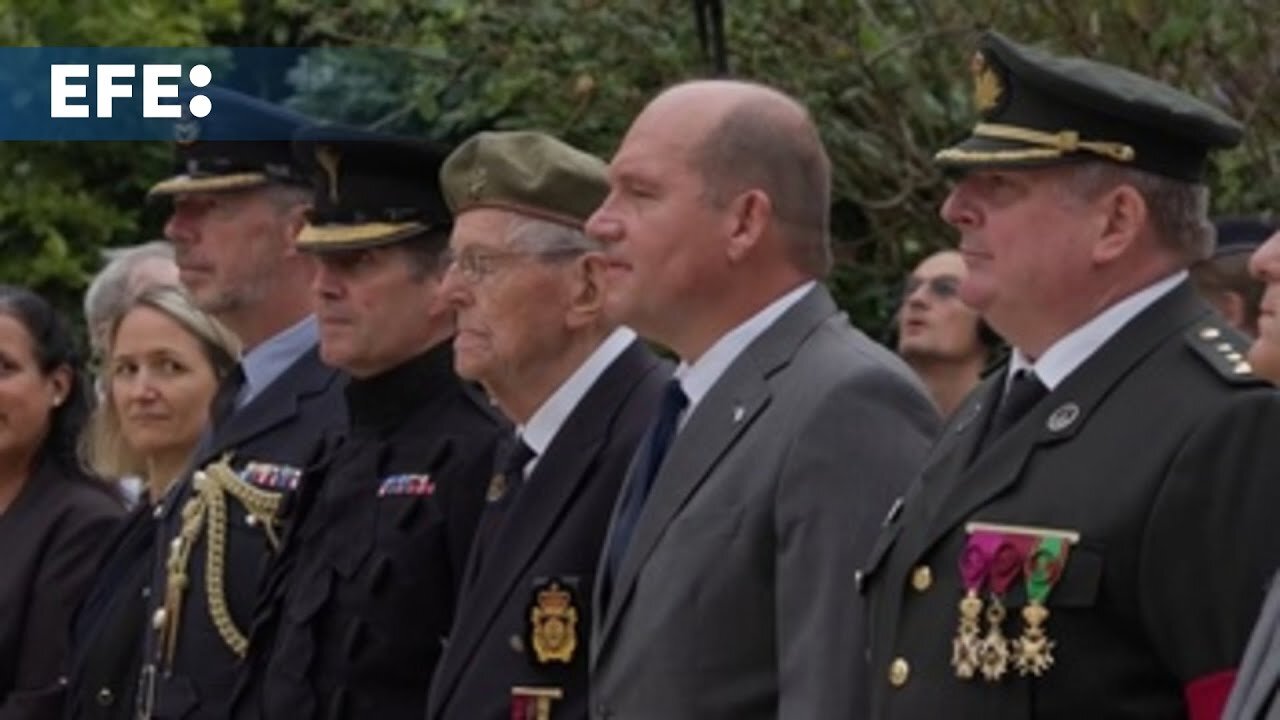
x=731, y=406
x=276, y=404
x=1000, y=467
x=556, y=480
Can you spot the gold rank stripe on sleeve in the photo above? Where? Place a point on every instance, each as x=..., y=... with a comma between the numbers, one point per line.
x=1070, y=536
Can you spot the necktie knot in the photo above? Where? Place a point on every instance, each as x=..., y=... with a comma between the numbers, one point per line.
x=518, y=455
x=1024, y=391
x=224, y=401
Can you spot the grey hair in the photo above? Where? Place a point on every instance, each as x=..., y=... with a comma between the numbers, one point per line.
x=544, y=236
x=285, y=197
x=1178, y=210
x=110, y=291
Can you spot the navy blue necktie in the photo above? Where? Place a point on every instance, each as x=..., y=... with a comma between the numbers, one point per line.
x=644, y=470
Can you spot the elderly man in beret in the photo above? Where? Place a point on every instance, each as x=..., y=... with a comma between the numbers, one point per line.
x=1094, y=532
x=527, y=286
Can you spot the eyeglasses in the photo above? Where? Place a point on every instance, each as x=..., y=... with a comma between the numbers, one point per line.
x=475, y=264
x=941, y=287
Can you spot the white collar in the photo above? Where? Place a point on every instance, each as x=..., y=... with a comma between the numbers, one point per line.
x=1072, y=349
x=697, y=379
x=550, y=416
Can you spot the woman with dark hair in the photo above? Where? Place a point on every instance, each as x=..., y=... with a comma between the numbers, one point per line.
x=54, y=516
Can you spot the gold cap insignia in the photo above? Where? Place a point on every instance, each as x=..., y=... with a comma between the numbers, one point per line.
x=987, y=87
x=553, y=624
x=328, y=159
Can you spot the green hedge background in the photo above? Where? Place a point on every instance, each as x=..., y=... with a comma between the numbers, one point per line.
x=887, y=81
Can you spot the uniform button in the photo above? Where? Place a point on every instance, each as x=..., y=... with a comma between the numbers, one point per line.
x=105, y=697
x=899, y=671
x=921, y=578
x=250, y=520
x=517, y=643
x=157, y=620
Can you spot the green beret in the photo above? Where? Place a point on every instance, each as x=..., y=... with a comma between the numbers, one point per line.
x=1037, y=109
x=531, y=173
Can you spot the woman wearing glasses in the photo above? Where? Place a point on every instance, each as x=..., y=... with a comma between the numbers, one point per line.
x=941, y=338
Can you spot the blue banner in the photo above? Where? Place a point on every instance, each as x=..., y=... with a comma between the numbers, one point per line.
x=90, y=94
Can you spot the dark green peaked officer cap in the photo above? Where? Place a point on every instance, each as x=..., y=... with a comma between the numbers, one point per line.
x=1038, y=109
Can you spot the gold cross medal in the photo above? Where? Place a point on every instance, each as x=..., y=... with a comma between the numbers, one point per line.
x=1006, y=566
x=975, y=564
x=1033, y=651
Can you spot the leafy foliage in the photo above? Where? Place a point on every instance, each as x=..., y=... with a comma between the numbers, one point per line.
x=886, y=80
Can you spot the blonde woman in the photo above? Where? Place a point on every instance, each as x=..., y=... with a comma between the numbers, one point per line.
x=164, y=361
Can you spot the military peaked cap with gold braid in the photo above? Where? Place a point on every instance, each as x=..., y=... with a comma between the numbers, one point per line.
x=242, y=143
x=525, y=172
x=371, y=189
x=1037, y=109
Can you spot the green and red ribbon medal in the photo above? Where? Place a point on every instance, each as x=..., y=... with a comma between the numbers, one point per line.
x=1033, y=651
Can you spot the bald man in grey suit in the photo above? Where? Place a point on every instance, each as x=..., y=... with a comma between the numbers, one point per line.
x=726, y=587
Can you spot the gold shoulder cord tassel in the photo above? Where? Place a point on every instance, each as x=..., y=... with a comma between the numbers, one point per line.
x=209, y=503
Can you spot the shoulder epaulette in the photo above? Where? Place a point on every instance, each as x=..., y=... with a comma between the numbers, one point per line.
x=1223, y=348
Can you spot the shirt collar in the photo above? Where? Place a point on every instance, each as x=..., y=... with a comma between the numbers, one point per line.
x=697, y=379
x=266, y=362
x=547, y=419
x=1071, y=350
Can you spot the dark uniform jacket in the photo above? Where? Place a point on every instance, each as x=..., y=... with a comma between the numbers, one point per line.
x=358, y=604
x=106, y=636
x=553, y=532
x=1160, y=452
x=50, y=539
x=269, y=441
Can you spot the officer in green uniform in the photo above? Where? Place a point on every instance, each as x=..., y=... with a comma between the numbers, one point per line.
x=1093, y=534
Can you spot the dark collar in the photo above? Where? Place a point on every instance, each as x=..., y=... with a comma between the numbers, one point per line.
x=389, y=397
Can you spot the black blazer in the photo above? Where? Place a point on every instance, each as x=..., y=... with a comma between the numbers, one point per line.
x=1161, y=452
x=351, y=620
x=51, y=537
x=282, y=431
x=106, y=635
x=552, y=533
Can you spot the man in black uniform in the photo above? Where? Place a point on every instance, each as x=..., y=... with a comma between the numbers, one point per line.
x=362, y=596
x=1092, y=536
x=239, y=202
x=527, y=285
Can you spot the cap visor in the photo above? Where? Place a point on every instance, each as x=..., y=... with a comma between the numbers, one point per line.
x=207, y=183
x=332, y=238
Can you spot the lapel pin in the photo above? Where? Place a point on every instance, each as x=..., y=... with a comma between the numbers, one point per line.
x=1064, y=417
x=738, y=413
x=970, y=415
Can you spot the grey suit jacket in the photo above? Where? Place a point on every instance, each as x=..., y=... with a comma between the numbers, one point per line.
x=1258, y=679
x=736, y=595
